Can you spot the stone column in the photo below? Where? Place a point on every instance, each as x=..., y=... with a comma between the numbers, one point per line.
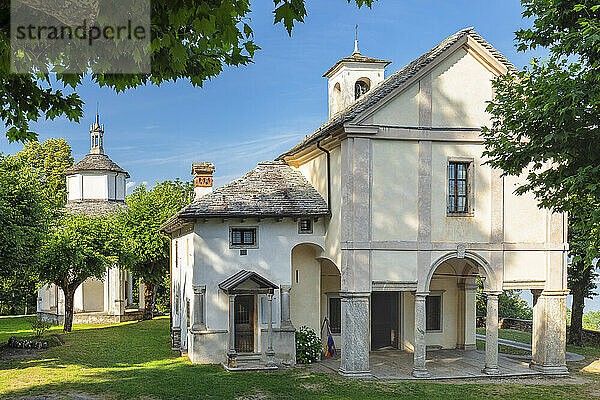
x=270, y=351
x=199, y=320
x=491, y=334
x=285, y=306
x=231, y=353
x=470, y=316
x=549, y=334
x=141, y=298
x=355, y=335
x=118, y=301
x=420, y=347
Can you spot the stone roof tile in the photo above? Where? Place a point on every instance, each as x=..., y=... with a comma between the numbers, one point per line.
x=95, y=162
x=272, y=189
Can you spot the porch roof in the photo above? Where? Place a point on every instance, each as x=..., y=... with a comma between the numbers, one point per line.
x=247, y=282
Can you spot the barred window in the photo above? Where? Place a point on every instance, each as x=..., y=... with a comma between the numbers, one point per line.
x=305, y=226
x=458, y=187
x=335, y=314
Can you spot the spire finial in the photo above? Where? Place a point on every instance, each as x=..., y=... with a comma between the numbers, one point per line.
x=356, y=40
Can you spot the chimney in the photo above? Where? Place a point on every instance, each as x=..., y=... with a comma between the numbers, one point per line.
x=203, y=178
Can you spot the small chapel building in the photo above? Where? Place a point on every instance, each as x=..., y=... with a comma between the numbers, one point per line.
x=96, y=186
x=381, y=222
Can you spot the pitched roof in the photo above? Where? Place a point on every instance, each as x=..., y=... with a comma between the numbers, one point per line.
x=392, y=82
x=94, y=208
x=272, y=189
x=355, y=57
x=230, y=284
x=95, y=162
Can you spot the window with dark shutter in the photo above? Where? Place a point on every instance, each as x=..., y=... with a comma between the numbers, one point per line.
x=433, y=312
x=241, y=237
x=335, y=314
x=458, y=187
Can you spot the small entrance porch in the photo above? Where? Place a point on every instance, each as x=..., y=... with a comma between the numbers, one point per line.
x=243, y=350
x=441, y=364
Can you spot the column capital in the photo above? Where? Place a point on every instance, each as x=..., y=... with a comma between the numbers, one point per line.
x=546, y=292
x=492, y=293
x=421, y=295
x=285, y=288
x=199, y=289
x=355, y=294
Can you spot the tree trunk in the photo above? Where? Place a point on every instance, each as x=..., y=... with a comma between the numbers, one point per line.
x=69, y=300
x=148, y=300
x=575, y=332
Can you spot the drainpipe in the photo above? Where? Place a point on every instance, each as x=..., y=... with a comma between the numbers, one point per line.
x=328, y=175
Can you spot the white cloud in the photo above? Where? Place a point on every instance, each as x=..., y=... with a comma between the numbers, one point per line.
x=130, y=185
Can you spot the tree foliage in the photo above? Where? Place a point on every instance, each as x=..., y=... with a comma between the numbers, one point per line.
x=23, y=217
x=147, y=210
x=546, y=125
x=50, y=159
x=190, y=39
x=78, y=248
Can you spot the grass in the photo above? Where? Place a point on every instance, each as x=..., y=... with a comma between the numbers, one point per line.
x=134, y=360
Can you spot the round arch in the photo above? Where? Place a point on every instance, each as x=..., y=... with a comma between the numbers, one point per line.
x=471, y=257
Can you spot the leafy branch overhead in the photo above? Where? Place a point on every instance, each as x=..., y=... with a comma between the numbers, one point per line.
x=191, y=40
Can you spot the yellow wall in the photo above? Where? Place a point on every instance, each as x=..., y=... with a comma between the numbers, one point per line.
x=305, y=294
x=459, y=229
x=395, y=206
x=403, y=110
x=461, y=86
x=394, y=266
x=315, y=172
x=524, y=222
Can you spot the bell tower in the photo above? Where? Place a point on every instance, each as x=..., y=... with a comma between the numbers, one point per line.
x=351, y=77
x=97, y=137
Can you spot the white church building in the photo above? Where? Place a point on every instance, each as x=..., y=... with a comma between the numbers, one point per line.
x=380, y=221
x=95, y=187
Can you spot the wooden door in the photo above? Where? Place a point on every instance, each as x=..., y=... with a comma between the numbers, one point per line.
x=244, y=324
x=384, y=320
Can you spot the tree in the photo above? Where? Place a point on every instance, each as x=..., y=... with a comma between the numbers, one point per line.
x=546, y=125
x=50, y=158
x=191, y=40
x=23, y=217
x=78, y=248
x=147, y=210
x=581, y=271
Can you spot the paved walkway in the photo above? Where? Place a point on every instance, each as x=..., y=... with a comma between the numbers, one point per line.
x=525, y=346
x=441, y=364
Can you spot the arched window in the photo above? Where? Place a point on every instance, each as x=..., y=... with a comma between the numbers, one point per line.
x=361, y=87
x=337, y=97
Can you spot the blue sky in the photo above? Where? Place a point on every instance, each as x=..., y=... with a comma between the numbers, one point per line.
x=255, y=113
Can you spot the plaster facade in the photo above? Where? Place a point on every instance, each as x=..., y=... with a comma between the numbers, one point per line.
x=384, y=174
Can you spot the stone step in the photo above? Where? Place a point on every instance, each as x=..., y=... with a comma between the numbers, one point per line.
x=248, y=357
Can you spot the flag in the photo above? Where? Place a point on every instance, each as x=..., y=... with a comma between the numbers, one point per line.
x=330, y=350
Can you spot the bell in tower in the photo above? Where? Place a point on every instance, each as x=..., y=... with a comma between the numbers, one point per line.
x=97, y=137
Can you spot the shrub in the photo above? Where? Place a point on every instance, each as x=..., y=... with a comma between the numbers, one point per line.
x=40, y=327
x=308, y=346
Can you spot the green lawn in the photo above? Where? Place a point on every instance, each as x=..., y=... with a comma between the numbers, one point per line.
x=134, y=360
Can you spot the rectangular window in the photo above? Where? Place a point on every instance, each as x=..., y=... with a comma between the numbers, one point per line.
x=305, y=226
x=335, y=315
x=433, y=313
x=243, y=237
x=458, y=187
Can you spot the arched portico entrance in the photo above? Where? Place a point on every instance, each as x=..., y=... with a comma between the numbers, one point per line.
x=445, y=308
x=314, y=293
